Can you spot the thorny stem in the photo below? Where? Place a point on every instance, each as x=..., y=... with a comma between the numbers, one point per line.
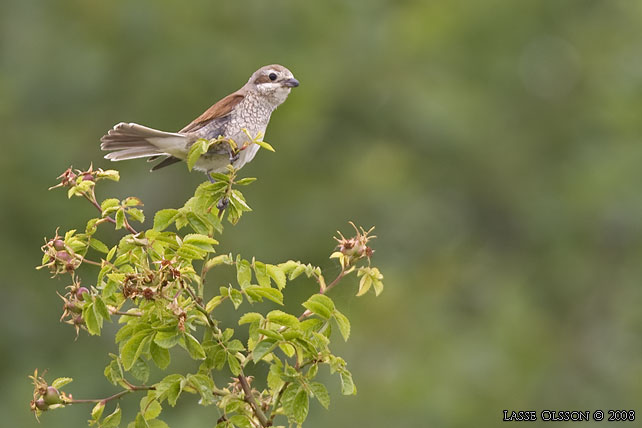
x=249, y=397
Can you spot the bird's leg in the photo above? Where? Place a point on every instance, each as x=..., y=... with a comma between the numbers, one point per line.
x=234, y=156
x=209, y=177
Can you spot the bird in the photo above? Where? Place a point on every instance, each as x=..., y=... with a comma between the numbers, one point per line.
x=240, y=116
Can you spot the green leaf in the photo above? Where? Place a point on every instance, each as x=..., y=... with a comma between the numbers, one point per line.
x=194, y=347
x=167, y=339
x=245, y=181
x=321, y=393
x=91, y=319
x=321, y=305
x=61, y=381
x=202, y=241
x=156, y=423
x=199, y=147
x=160, y=355
x=220, y=177
x=164, y=218
x=120, y=218
x=240, y=421
x=347, y=385
x=233, y=363
x=265, y=145
x=136, y=214
x=150, y=408
x=263, y=348
x=277, y=275
x=101, y=308
x=282, y=318
x=250, y=317
x=109, y=174
x=109, y=205
x=112, y=420
x=288, y=399
x=300, y=406
x=140, y=370
x=213, y=303
x=343, y=323
x=260, y=270
x=132, y=349
x=243, y=273
x=268, y=292
x=236, y=297
x=97, y=411
x=98, y=245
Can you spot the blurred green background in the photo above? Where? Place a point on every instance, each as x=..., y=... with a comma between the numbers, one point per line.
x=495, y=146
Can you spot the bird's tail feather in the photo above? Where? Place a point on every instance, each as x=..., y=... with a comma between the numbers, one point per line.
x=131, y=141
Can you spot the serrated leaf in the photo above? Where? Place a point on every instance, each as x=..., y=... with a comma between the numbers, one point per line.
x=120, y=218
x=202, y=241
x=150, y=408
x=213, y=303
x=61, y=381
x=109, y=205
x=234, y=365
x=250, y=317
x=132, y=349
x=277, y=275
x=164, y=218
x=97, y=411
x=98, y=245
x=91, y=319
x=243, y=273
x=282, y=318
x=343, y=323
x=347, y=385
x=199, y=147
x=136, y=214
x=269, y=293
x=236, y=297
x=194, y=347
x=263, y=348
x=160, y=356
x=112, y=420
x=140, y=370
x=101, y=308
x=320, y=304
x=300, y=406
x=321, y=393
x=260, y=270
x=167, y=339
x=240, y=421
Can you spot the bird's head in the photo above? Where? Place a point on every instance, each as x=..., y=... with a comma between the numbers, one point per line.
x=273, y=82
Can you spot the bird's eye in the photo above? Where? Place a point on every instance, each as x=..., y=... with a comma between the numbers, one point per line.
x=272, y=76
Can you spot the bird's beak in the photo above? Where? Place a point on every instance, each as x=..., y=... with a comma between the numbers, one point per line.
x=290, y=83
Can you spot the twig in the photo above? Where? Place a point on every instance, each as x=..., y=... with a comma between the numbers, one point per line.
x=249, y=397
x=108, y=218
x=116, y=396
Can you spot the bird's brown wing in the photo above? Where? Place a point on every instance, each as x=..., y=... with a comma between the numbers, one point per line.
x=221, y=109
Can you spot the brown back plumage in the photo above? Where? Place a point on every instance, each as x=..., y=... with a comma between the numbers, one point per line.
x=221, y=109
